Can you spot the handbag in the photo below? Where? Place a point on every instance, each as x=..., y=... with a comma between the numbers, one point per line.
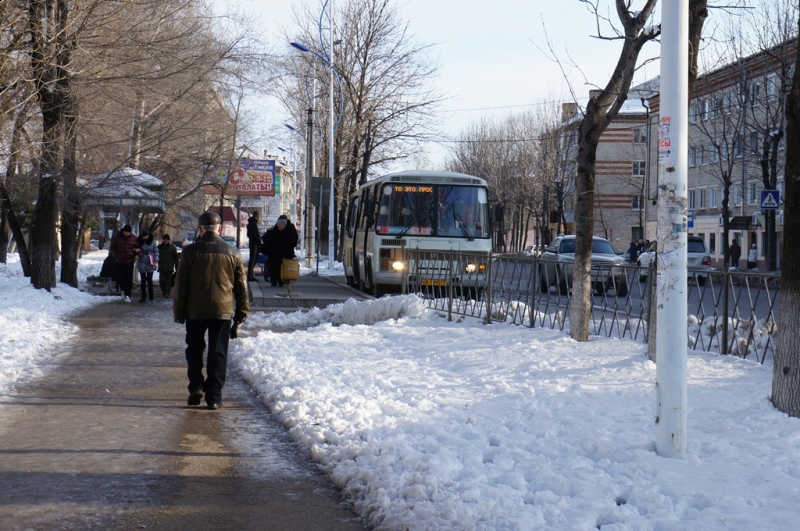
x=153, y=262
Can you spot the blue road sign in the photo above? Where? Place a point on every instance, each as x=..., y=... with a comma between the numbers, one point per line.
x=690, y=219
x=770, y=199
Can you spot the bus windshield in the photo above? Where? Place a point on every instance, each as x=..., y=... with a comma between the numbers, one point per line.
x=433, y=210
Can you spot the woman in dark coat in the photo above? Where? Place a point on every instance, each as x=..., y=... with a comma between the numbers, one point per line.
x=125, y=249
x=148, y=263
x=280, y=244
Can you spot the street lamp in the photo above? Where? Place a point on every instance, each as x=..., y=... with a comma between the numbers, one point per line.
x=327, y=59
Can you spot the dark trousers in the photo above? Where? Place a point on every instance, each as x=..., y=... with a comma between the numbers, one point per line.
x=166, y=281
x=275, y=271
x=251, y=264
x=146, y=279
x=219, y=331
x=735, y=261
x=125, y=272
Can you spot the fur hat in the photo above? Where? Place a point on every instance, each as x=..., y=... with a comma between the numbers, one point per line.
x=282, y=222
x=126, y=228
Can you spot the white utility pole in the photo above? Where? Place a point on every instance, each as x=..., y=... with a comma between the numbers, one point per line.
x=671, y=281
x=331, y=202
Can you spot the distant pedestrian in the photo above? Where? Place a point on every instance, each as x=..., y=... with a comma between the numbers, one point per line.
x=265, y=251
x=101, y=241
x=254, y=240
x=147, y=264
x=736, y=254
x=167, y=265
x=210, y=295
x=633, y=252
x=752, y=257
x=280, y=244
x=125, y=249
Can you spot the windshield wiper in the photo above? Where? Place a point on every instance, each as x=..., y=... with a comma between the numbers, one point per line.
x=408, y=227
x=463, y=227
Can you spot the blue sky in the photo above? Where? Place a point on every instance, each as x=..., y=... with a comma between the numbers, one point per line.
x=491, y=54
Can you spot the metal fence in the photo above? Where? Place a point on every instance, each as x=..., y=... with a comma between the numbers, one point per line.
x=531, y=292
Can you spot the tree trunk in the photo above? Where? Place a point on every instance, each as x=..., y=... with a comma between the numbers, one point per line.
x=786, y=369
x=581, y=312
x=71, y=237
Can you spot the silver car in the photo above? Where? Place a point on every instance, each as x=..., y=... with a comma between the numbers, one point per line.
x=555, y=268
x=697, y=259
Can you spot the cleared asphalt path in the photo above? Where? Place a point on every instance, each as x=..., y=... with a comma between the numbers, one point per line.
x=105, y=440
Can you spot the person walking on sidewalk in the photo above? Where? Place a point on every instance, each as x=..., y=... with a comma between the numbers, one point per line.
x=147, y=264
x=167, y=264
x=736, y=254
x=211, y=295
x=254, y=240
x=125, y=249
x=280, y=244
x=752, y=257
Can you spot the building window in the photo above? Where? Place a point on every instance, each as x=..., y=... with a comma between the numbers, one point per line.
x=736, y=195
x=712, y=198
x=712, y=243
x=752, y=188
x=693, y=112
x=704, y=109
x=755, y=93
x=773, y=87
x=737, y=147
x=692, y=197
x=753, y=141
x=636, y=202
x=713, y=153
x=726, y=103
x=716, y=103
x=640, y=135
x=723, y=150
x=701, y=155
x=638, y=168
x=701, y=198
x=692, y=156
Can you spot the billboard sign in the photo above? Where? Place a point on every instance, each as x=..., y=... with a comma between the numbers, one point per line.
x=247, y=177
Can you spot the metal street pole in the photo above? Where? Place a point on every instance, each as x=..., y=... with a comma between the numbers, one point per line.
x=307, y=215
x=331, y=202
x=671, y=282
x=299, y=223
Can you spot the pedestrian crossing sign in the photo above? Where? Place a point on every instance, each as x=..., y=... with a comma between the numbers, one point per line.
x=770, y=199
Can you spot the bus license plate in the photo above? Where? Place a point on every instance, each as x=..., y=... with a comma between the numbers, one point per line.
x=433, y=282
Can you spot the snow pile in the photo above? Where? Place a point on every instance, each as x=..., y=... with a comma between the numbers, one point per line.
x=429, y=424
x=32, y=320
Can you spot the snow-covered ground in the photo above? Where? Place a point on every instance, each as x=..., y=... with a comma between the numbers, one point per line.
x=429, y=424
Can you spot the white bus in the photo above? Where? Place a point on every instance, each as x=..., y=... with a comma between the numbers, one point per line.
x=399, y=216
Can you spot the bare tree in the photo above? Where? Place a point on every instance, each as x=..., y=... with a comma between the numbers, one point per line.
x=388, y=100
x=786, y=367
x=601, y=109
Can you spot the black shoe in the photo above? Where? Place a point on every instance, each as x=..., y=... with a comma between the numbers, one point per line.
x=214, y=406
x=252, y=279
x=142, y=300
x=194, y=398
x=274, y=285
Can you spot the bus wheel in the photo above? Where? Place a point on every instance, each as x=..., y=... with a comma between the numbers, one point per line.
x=600, y=287
x=378, y=290
x=351, y=282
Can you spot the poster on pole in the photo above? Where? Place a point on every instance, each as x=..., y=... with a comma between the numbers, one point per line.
x=665, y=151
x=246, y=177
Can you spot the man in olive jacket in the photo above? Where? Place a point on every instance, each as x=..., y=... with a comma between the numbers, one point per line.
x=210, y=276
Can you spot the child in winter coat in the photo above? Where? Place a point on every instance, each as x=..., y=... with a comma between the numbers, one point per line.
x=148, y=262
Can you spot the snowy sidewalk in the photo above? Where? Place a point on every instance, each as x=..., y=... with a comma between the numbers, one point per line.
x=104, y=440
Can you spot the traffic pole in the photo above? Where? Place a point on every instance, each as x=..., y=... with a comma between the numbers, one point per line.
x=671, y=275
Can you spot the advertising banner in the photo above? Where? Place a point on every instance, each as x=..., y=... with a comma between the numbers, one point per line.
x=248, y=177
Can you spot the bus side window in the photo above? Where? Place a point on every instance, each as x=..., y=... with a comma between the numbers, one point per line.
x=352, y=212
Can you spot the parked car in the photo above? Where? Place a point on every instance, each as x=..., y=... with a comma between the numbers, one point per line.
x=533, y=250
x=697, y=259
x=556, y=267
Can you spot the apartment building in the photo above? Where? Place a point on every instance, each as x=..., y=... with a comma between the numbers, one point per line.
x=736, y=123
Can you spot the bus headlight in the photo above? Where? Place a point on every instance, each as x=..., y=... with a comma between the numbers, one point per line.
x=398, y=265
x=470, y=268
